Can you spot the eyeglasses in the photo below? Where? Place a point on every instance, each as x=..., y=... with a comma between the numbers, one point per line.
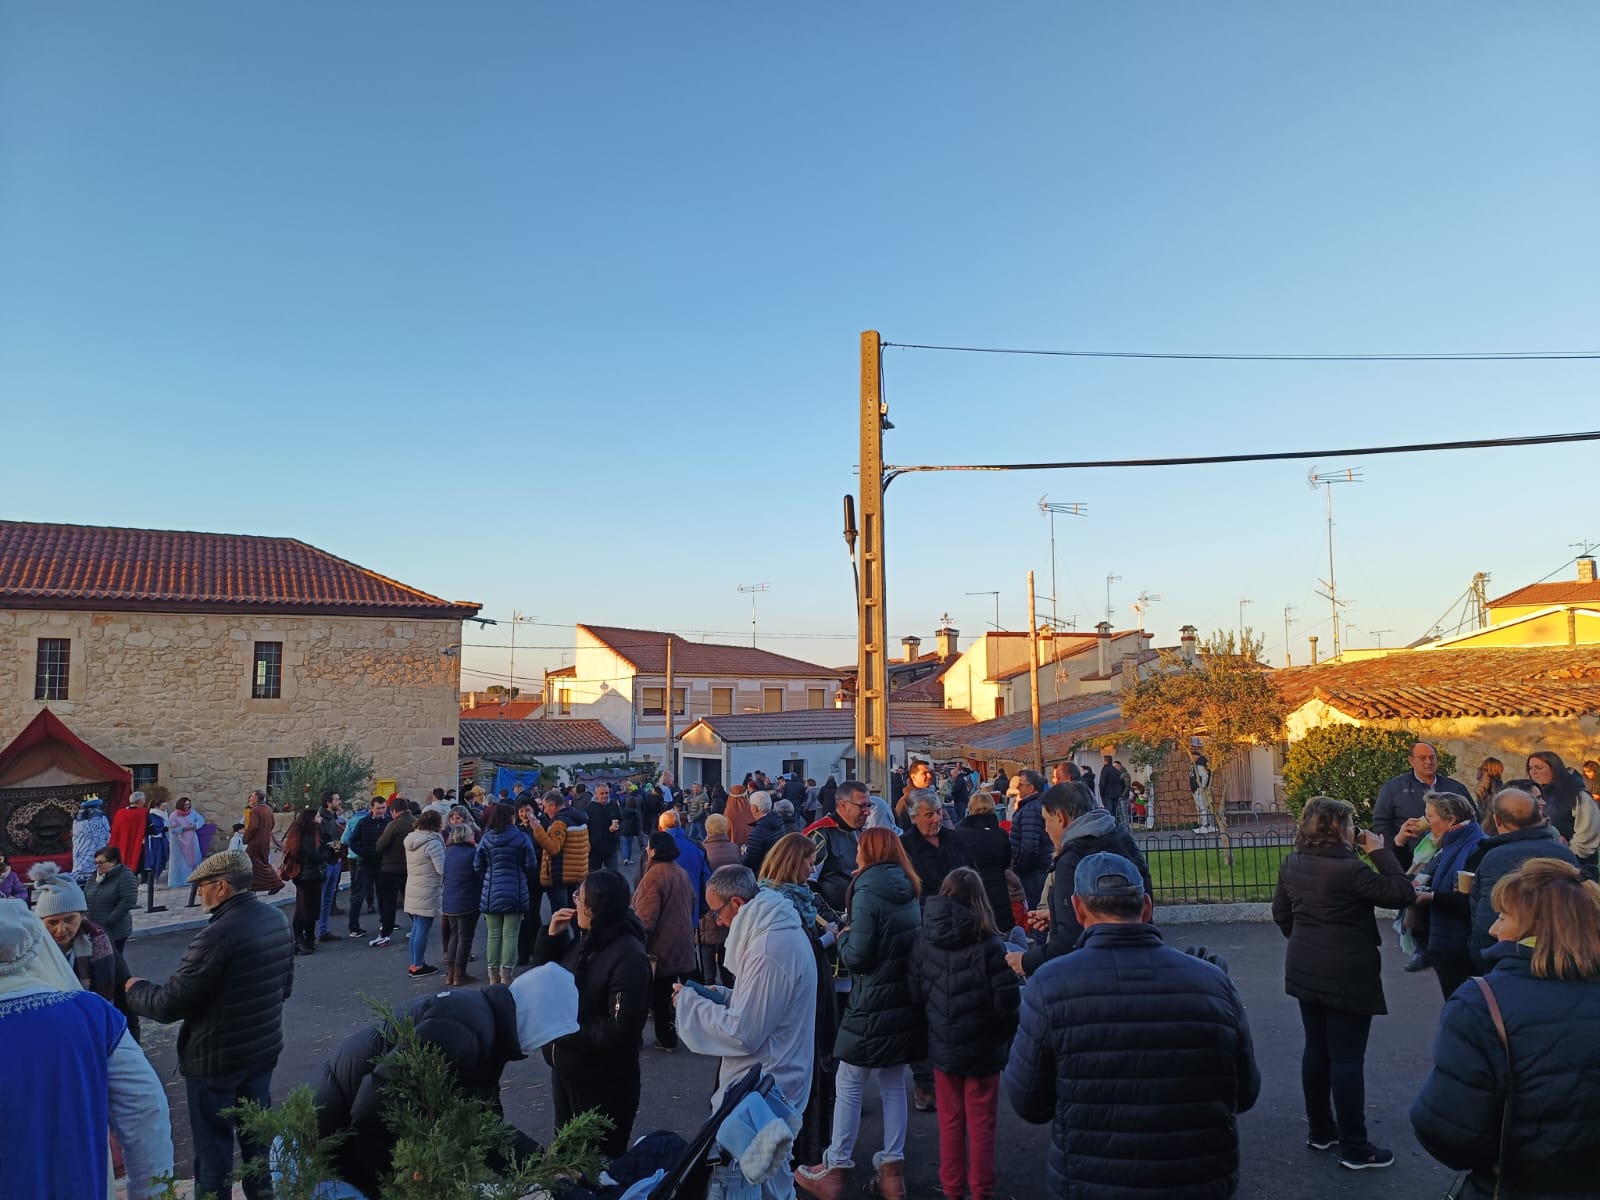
x=716, y=913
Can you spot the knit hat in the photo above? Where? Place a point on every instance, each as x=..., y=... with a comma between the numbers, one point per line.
x=547, y=1005
x=232, y=865
x=55, y=893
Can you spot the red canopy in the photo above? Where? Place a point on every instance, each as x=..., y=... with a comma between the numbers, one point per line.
x=47, y=742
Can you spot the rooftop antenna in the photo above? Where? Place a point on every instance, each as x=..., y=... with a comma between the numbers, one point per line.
x=752, y=589
x=1110, y=612
x=1288, y=612
x=1142, y=605
x=1378, y=634
x=996, y=596
x=1068, y=509
x=1326, y=479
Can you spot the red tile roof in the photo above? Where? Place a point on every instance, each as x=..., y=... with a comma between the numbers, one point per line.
x=1560, y=681
x=490, y=708
x=1566, y=591
x=830, y=724
x=530, y=739
x=83, y=566
x=646, y=649
x=928, y=690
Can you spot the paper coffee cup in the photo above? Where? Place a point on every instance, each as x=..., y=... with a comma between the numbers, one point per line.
x=1464, y=881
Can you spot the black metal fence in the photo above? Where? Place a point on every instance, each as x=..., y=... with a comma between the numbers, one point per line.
x=1196, y=868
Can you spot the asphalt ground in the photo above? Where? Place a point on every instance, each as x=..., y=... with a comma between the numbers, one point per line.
x=328, y=1005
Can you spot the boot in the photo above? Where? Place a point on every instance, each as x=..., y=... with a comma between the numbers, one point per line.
x=890, y=1181
x=462, y=978
x=822, y=1181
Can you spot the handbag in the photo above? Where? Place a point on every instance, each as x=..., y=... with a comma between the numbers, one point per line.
x=1511, y=1083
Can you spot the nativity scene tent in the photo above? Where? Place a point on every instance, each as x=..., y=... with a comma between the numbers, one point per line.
x=45, y=773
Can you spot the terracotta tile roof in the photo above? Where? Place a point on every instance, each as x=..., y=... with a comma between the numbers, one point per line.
x=646, y=649
x=79, y=566
x=530, y=739
x=490, y=708
x=928, y=690
x=1560, y=681
x=1566, y=591
x=1064, y=726
x=830, y=724
x=1079, y=644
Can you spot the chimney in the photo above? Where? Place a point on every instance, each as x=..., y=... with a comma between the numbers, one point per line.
x=1313, y=649
x=1586, y=570
x=472, y=701
x=912, y=645
x=1103, y=649
x=1187, y=642
x=1130, y=670
x=947, y=636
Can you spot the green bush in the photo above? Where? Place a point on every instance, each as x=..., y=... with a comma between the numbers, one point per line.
x=325, y=768
x=1351, y=763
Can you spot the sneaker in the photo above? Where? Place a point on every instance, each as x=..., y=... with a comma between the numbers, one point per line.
x=923, y=1100
x=424, y=969
x=380, y=940
x=1372, y=1156
x=1417, y=962
x=1322, y=1141
x=355, y=933
x=327, y=935
x=666, y=1049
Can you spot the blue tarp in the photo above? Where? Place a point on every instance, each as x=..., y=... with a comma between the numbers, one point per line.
x=1023, y=734
x=505, y=777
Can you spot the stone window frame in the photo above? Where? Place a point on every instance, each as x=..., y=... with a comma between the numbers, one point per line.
x=146, y=774
x=266, y=671
x=278, y=771
x=52, y=668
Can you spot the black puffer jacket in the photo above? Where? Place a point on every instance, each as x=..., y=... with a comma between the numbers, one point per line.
x=970, y=995
x=882, y=1025
x=228, y=991
x=392, y=842
x=613, y=976
x=991, y=858
x=477, y=1030
x=1553, y=1026
x=1497, y=857
x=1324, y=905
x=1142, y=1055
x=364, y=841
x=932, y=863
x=112, y=901
x=1095, y=831
x=764, y=834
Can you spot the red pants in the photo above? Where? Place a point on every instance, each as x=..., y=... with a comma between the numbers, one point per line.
x=967, y=1111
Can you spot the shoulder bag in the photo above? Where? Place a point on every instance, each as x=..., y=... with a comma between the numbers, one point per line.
x=1511, y=1086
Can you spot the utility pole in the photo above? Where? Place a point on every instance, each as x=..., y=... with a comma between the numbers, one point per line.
x=1325, y=480
x=1033, y=679
x=996, y=596
x=1070, y=509
x=667, y=759
x=752, y=589
x=1243, y=600
x=1288, y=658
x=872, y=625
x=1110, y=579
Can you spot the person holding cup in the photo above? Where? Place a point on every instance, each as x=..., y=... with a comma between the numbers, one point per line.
x=1453, y=822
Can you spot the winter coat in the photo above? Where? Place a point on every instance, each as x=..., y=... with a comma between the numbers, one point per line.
x=12, y=888
x=836, y=860
x=602, y=842
x=882, y=1026
x=932, y=863
x=613, y=976
x=1030, y=844
x=631, y=820
x=740, y=817
x=100, y=968
x=392, y=843
x=477, y=1032
x=1142, y=1055
x=1324, y=905
x=228, y=991
x=112, y=899
x=424, y=873
x=503, y=860
x=769, y=1017
x=664, y=902
x=694, y=863
x=1553, y=1027
x=1111, y=786
x=564, y=847
x=306, y=859
x=463, y=882
x=1399, y=800
x=719, y=851
x=1498, y=857
x=1095, y=831
x=763, y=834
x=364, y=841
x=970, y=994
x=990, y=849
x=1450, y=919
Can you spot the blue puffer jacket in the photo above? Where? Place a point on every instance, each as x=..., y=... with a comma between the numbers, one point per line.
x=1498, y=857
x=1128, y=1045
x=1553, y=1025
x=463, y=882
x=1451, y=919
x=1031, y=851
x=504, y=859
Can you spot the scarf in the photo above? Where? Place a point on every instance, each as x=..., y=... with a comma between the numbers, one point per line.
x=800, y=896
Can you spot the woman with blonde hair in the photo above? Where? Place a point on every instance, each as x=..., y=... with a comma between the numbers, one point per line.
x=883, y=1029
x=1513, y=1098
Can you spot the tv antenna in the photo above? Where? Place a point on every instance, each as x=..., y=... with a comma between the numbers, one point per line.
x=996, y=596
x=1110, y=612
x=1378, y=634
x=1326, y=479
x=1142, y=605
x=1050, y=508
x=752, y=590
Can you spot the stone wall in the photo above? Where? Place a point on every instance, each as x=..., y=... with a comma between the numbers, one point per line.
x=174, y=689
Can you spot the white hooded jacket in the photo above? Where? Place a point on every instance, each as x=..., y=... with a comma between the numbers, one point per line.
x=771, y=1014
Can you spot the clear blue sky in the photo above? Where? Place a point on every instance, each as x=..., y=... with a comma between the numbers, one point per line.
x=555, y=307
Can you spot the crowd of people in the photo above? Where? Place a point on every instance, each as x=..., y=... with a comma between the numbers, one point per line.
x=938, y=949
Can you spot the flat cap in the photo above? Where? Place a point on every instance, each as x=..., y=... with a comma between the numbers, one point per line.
x=232, y=865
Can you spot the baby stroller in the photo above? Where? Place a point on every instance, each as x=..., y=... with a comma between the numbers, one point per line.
x=705, y=1154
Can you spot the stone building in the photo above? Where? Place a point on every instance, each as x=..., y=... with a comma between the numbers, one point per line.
x=208, y=662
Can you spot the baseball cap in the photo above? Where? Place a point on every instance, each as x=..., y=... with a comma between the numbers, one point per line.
x=1107, y=874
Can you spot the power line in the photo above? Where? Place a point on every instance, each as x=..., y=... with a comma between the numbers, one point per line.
x=1469, y=356
x=1544, y=439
